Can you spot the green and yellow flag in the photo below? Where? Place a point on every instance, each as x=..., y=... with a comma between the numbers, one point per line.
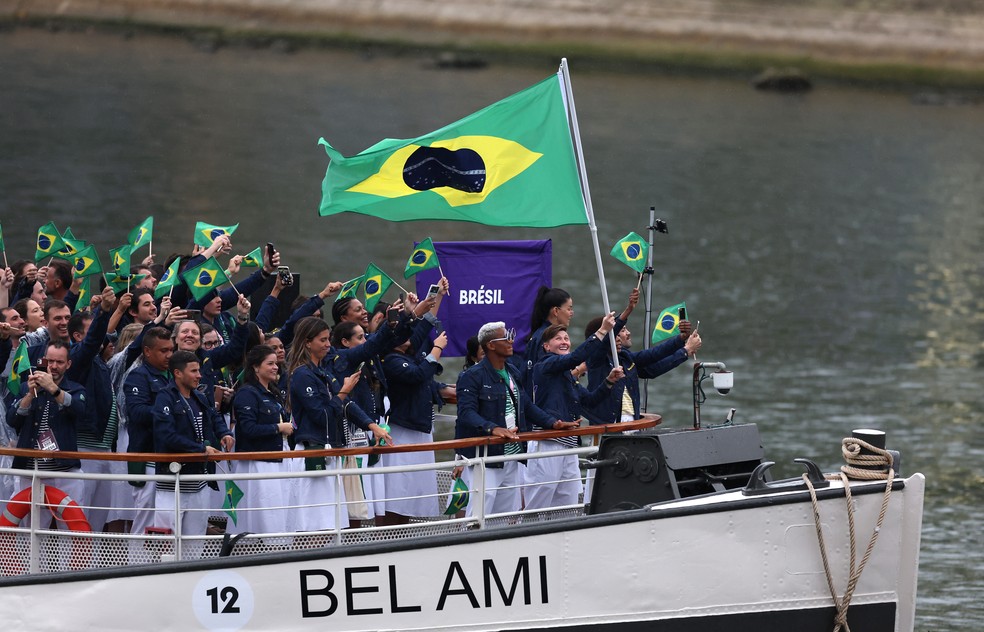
x=86, y=262
x=668, y=323
x=459, y=497
x=142, y=234
x=18, y=365
x=424, y=257
x=70, y=249
x=375, y=285
x=204, y=278
x=253, y=259
x=49, y=242
x=510, y=164
x=85, y=294
x=205, y=234
x=233, y=494
x=122, y=283
x=350, y=288
x=633, y=251
x=169, y=279
x=120, y=258
x=2, y=247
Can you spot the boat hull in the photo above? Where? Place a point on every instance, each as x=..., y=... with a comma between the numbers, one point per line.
x=723, y=562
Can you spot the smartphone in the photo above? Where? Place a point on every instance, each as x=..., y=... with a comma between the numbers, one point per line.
x=359, y=368
x=270, y=251
x=403, y=297
x=286, y=278
x=433, y=291
x=392, y=315
x=195, y=315
x=42, y=365
x=683, y=313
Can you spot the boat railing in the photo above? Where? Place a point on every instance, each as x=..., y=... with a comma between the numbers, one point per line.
x=35, y=548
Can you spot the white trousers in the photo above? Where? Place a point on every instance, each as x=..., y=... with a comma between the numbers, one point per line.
x=502, y=491
x=554, y=482
x=194, y=518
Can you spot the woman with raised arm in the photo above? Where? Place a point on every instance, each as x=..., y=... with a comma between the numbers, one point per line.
x=320, y=405
x=556, y=481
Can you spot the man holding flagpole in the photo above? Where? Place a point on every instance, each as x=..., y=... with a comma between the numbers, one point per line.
x=517, y=162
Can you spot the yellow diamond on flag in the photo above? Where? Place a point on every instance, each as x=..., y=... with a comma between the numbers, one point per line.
x=504, y=160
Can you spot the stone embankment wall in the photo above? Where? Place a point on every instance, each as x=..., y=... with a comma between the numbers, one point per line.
x=942, y=34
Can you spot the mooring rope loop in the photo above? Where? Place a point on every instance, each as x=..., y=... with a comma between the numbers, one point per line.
x=860, y=456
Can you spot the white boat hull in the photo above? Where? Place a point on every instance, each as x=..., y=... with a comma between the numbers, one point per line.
x=722, y=562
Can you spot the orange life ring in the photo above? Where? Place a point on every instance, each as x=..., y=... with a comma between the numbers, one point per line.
x=61, y=504
x=64, y=509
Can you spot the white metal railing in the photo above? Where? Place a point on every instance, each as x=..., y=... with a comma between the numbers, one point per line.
x=36, y=548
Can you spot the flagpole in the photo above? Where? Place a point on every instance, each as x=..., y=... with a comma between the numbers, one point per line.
x=646, y=341
x=586, y=192
x=400, y=286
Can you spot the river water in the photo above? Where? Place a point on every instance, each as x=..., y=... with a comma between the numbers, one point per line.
x=829, y=243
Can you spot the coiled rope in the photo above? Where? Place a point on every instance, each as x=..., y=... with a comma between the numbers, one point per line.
x=856, y=468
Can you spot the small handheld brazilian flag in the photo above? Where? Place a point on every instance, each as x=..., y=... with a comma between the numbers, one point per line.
x=253, y=259
x=168, y=280
x=85, y=294
x=142, y=234
x=86, y=262
x=2, y=247
x=668, y=323
x=459, y=497
x=376, y=284
x=120, y=259
x=424, y=257
x=633, y=251
x=233, y=494
x=71, y=246
x=49, y=242
x=122, y=283
x=205, y=234
x=18, y=365
x=350, y=288
x=205, y=278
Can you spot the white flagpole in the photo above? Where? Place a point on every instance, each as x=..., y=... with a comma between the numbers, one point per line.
x=585, y=190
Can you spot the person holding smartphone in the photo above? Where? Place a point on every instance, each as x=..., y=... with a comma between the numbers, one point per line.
x=623, y=401
x=46, y=414
x=413, y=395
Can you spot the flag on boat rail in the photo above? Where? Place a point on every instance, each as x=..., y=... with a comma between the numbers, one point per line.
x=668, y=323
x=233, y=494
x=509, y=164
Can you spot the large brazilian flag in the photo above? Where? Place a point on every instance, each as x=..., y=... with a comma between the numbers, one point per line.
x=510, y=164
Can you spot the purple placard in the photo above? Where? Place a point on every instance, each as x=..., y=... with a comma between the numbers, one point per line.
x=490, y=281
